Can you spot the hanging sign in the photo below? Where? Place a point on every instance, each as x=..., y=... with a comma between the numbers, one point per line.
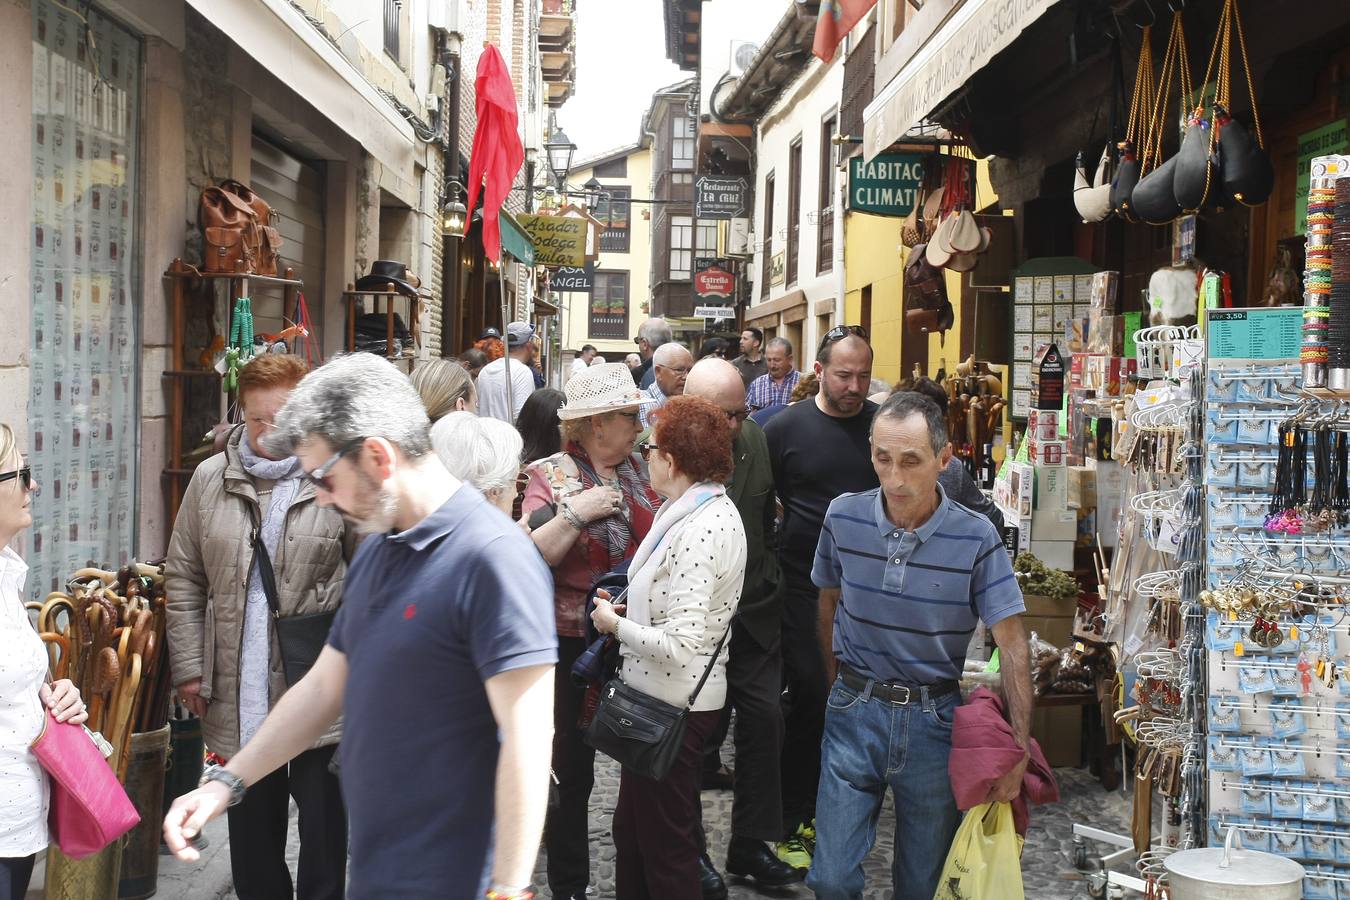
x=719, y=198
x=558, y=240
x=1324, y=141
x=713, y=279
x=571, y=279
x=713, y=312
x=886, y=186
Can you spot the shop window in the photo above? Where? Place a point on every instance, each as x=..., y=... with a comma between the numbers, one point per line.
x=609, y=306
x=681, y=247
x=84, y=352
x=825, y=199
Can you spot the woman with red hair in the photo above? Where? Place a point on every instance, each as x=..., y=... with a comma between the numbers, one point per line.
x=683, y=588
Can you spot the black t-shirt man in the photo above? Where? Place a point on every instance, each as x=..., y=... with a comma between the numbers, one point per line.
x=816, y=457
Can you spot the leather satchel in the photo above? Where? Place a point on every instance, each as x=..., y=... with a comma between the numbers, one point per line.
x=268, y=238
x=228, y=227
x=640, y=732
x=926, y=306
x=89, y=807
x=301, y=637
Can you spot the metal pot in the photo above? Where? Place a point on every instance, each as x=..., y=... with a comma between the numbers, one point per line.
x=1213, y=873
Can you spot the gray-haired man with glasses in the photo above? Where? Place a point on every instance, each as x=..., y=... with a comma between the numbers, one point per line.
x=447, y=633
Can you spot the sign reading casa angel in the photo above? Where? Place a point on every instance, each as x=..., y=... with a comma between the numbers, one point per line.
x=558, y=240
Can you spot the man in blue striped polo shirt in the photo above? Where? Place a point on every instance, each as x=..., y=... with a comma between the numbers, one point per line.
x=904, y=575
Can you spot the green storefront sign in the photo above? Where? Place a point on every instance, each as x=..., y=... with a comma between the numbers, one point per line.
x=1324, y=141
x=886, y=186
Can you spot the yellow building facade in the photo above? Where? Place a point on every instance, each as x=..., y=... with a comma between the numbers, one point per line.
x=619, y=275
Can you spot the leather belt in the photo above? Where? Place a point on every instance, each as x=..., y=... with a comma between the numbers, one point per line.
x=894, y=692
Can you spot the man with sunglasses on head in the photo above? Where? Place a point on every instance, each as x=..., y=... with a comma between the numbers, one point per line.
x=754, y=668
x=440, y=660
x=819, y=449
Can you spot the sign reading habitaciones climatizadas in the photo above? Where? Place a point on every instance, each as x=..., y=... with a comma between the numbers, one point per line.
x=886, y=186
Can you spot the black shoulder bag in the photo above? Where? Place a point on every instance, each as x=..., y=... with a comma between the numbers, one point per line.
x=639, y=731
x=301, y=637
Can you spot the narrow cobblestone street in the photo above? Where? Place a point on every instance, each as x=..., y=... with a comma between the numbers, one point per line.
x=1047, y=867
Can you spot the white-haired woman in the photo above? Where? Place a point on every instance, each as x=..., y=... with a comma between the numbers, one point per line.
x=482, y=451
x=589, y=507
x=23, y=688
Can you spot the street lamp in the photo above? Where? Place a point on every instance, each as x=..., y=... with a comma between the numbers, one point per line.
x=453, y=213
x=560, y=149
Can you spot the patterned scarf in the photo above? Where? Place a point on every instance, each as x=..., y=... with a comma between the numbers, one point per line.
x=614, y=538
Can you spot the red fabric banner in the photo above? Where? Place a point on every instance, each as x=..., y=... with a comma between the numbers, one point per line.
x=836, y=19
x=497, y=153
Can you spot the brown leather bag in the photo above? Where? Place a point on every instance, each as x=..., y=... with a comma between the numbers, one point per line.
x=926, y=306
x=228, y=227
x=268, y=238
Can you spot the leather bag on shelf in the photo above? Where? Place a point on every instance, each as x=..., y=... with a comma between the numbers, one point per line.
x=228, y=228
x=927, y=308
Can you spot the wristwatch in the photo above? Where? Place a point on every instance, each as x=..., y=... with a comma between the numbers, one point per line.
x=227, y=778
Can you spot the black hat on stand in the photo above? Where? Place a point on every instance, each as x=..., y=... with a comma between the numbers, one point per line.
x=384, y=272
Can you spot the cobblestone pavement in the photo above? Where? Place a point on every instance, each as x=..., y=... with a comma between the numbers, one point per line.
x=1047, y=868
x=1047, y=861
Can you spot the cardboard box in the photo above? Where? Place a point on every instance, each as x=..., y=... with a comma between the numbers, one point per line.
x=1082, y=487
x=1050, y=453
x=1022, y=483
x=1057, y=630
x=1054, y=525
x=1055, y=554
x=1052, y=487
x=1041, y=605
x=1059, y=731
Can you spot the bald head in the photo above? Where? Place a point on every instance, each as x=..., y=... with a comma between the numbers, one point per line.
x=720, y=383
x=671, y=363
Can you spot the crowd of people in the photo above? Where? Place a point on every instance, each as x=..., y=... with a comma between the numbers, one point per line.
x=797, y=565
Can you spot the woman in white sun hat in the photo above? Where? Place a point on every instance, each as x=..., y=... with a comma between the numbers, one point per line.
x=589, y=507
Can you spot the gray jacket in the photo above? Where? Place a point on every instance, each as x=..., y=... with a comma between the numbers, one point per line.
x=206, y=578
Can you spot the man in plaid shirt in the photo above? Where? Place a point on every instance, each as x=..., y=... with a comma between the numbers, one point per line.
x=775, y=387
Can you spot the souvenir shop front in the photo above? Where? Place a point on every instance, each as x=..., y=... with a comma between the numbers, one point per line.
x=1178, y=385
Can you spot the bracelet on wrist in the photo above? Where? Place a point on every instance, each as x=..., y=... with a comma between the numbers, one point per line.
x=233, y=782
x=498, y=892
x=571, y=516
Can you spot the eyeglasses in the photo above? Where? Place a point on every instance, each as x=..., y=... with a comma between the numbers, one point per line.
x=25, y=476
x=678, y=370
x=645, y=449
x=319, y=476
x=839, y=332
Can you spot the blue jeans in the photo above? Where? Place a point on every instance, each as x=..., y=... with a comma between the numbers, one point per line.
x=871, y=744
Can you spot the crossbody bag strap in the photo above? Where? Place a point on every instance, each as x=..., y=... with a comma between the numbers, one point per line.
x=712, y=662
x=263, y=560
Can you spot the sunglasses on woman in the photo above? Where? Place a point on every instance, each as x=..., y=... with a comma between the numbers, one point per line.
x=645, y=449
x=25, y=476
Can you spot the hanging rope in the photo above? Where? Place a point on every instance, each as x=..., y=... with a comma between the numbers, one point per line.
x=240, y=350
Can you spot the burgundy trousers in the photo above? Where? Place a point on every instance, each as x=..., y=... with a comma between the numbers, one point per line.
x=657, y=826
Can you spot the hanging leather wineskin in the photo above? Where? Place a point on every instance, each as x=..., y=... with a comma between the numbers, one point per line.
x=1195, y=169
x=1122, y=186
x=1247, y=171
x=1153, y=200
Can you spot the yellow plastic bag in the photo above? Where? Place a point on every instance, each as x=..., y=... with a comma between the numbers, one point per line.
x=985, y=861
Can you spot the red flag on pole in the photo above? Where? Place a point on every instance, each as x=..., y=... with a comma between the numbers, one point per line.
x=497, y=153
x=836, y=19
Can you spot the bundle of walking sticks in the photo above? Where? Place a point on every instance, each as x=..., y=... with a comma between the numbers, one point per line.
x=105, y=632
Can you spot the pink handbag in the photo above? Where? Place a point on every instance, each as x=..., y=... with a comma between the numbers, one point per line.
x=89, y=808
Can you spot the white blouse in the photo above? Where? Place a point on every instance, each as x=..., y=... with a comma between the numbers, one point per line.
x=23, y=667
x=670, y=632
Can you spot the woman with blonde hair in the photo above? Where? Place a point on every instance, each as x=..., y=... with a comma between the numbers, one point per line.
x=23, y=689
x=445, y=387
x=482, y=451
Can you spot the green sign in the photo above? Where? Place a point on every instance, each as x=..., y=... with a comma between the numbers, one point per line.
x=1254, y=333
x=1322, y=141
x=1133, y=321
x=886, y=186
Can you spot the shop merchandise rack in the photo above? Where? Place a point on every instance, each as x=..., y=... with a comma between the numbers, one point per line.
x=1277, y=712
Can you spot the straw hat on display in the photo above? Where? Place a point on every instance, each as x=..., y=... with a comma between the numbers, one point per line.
x=601, y=389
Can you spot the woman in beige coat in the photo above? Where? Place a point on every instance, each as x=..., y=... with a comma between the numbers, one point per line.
x=224, y=652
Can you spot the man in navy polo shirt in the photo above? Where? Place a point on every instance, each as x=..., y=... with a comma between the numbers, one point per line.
x=905, y=574
x=446, y=631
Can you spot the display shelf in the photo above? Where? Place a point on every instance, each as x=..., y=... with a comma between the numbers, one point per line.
x=353, y=297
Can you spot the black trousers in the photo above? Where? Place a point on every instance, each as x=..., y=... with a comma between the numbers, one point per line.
x=15, y=873
x=259, y=824
x=656, y=835
x=804, y=717
x=754, y=680
x=566, y=831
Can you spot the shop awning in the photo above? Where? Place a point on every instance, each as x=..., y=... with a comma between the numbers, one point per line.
x=284, y=43
x=963, y=45
x=515, y=241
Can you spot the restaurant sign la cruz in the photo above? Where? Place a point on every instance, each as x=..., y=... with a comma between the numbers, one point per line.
x=888, y=185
